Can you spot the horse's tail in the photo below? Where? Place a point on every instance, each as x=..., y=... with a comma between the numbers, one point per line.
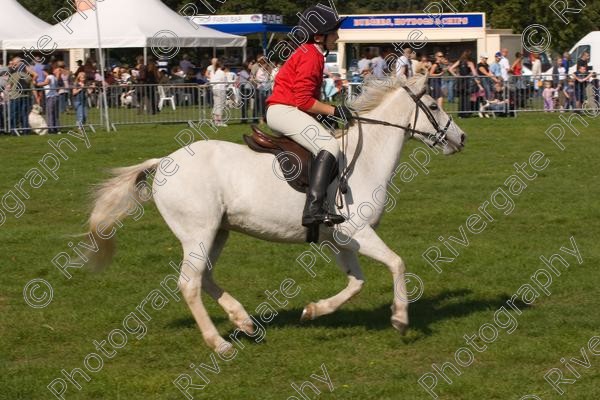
x=112, y=201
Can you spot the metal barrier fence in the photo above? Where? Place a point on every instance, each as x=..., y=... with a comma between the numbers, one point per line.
x=131, y=105
x=156, y=104
x=180, y=103
x=29, y=111
x=486, y=96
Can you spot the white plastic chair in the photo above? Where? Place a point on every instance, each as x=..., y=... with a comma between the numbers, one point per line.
x=162, y=94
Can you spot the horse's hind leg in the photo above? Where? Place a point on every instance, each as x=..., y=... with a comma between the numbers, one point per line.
x=235, y=311
x=194, y=266
x=347, y=261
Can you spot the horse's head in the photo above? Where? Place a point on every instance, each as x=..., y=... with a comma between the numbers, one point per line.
x=429, y=123
x=404, y=104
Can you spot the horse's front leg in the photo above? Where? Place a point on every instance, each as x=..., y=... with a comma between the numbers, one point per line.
x=347, y=261
x=371, y=245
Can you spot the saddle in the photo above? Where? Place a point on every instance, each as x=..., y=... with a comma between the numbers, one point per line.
x=295, y=161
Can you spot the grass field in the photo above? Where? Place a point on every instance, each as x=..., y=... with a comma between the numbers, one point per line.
x=364, y=356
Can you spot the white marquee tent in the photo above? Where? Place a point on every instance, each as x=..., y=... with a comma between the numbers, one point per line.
x=124, y=23
x=16, y=22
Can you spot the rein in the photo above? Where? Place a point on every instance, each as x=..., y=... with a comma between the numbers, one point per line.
x=436, y=138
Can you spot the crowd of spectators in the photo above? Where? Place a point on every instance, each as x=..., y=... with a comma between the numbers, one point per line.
x=476, y=87
x=246, y=89
x=480, y=86
x=57, y=90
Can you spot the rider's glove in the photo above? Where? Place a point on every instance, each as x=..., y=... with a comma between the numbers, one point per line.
x=328, y=121
x=343, y=113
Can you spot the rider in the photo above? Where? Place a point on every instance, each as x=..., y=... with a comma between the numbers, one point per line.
x=294, y=104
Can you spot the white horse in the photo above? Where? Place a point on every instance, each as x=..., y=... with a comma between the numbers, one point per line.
x=226, y=187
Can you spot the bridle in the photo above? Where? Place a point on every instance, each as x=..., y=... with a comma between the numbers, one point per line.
x=439, y=137
x=435, y=138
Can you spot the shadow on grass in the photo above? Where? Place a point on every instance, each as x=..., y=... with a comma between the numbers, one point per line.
x=190, y=322
x=449, y=304
x=423, y=313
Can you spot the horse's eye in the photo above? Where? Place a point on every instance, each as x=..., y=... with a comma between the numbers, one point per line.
x=433, y=106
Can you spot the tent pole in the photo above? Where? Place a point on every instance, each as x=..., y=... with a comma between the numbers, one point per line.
x=244, y=54
x=214, y=52
x=104, y=110
x=264, y=42
x=145, y=56
x=271, y=39
x=4, y=56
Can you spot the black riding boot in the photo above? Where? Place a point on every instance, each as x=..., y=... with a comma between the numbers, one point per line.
x=314, y=214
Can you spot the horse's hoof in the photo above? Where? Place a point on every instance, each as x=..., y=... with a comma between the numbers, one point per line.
x=248, y=328
x=400, y=326
x=224, y=347
x=245, y=326
x=308, y=314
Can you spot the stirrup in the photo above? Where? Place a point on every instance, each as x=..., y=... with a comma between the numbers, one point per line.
x=333, y=219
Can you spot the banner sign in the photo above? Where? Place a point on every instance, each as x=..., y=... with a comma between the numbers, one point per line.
x=238, y=19
x=414, y=21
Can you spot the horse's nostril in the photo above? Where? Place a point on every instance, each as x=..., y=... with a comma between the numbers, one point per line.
x=462, y=138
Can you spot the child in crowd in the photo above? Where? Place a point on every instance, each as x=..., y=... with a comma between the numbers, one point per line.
x=569, y=93
x=548, y=95
x=79, y=93
x=559, y=98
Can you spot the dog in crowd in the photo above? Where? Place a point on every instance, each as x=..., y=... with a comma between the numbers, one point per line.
x=37, y=121
x=128, y=98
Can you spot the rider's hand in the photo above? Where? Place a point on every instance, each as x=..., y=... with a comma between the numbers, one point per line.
x=328, y=121
x=343, y=113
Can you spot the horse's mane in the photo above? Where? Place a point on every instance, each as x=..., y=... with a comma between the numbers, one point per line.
x=375, y=90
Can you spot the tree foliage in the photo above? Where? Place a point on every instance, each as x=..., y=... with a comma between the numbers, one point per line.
x=513, y=14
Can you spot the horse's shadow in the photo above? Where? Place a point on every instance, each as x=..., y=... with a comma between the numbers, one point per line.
x=428, y=310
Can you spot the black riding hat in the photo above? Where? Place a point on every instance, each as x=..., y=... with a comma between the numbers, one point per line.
x=326, y=22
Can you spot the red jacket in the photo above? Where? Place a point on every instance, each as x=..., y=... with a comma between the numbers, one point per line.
x=298, y=82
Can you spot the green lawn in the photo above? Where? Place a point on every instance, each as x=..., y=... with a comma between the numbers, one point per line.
x=364, y=356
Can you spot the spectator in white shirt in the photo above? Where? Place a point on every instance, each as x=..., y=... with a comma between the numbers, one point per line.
x=264, y=86
x=558, y=73
x=219, y=91
x=364, y=64
x=404, y=64
x=278, y=66
x=210, y=70
x=379, y=63
x=504, y=63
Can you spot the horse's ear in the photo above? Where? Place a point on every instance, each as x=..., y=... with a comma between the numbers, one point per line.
x=420, y=82
x=401, y=80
